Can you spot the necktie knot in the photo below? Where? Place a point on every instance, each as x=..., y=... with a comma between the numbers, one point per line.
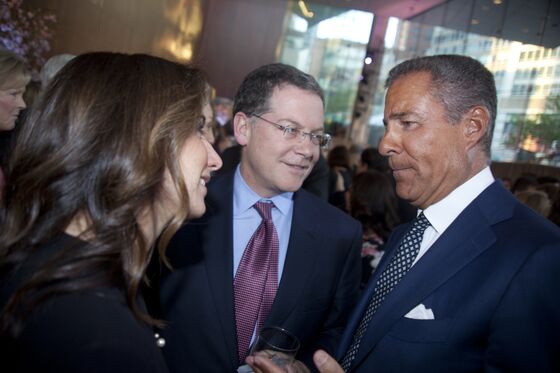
x=264, y=209
x=421, y=222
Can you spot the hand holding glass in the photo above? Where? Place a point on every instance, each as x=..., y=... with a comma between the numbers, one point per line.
x=277, y=344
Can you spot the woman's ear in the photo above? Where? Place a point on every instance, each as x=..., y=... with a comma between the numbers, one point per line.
x=241, y=128
x=476, y=124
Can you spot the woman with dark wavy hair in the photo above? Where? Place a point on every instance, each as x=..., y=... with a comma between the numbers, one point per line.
x=113, y=156
x=373, y=202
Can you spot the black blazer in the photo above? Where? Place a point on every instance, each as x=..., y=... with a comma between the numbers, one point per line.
x=90, y=331
x=318, y=288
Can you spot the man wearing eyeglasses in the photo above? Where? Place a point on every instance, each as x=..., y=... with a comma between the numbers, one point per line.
x=237, y=269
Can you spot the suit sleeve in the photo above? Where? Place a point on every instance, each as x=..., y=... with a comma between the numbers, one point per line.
x=344, y=300
x=525, y=330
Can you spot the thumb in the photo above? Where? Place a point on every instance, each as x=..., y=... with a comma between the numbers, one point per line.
x=325, y=363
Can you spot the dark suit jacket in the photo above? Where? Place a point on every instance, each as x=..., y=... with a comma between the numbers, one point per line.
x=317, y=291
x=492, y=282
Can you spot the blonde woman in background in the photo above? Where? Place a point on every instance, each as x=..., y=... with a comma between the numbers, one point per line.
x=14, y=76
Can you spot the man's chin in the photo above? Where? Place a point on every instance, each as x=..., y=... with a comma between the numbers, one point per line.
x=291, y=187
x=404, y=192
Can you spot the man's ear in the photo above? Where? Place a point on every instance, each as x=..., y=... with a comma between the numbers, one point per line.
x=241, y=128
x=476, y=123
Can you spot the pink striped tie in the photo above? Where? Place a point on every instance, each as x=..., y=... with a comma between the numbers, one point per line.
x=256, y=280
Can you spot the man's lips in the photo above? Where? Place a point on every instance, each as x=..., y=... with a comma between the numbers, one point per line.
x=204, y=179
x=397, y=170
x=302, y=167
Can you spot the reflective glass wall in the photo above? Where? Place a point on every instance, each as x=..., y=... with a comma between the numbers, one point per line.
x=330, y=44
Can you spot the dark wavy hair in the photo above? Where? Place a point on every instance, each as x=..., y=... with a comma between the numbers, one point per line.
x=97, y=144
x=371, y=158
x=373, y=202
x=339, y=156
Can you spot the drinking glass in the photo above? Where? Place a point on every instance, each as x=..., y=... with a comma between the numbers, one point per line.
x=278, y=344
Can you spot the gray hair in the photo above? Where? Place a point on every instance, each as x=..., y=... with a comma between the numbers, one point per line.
x=459, y=82
x=52, y=66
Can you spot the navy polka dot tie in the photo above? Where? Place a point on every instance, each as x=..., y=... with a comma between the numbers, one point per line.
x=256, y=280
x=397, y=268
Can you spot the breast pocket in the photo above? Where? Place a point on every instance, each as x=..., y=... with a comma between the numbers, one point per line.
x=425, y=331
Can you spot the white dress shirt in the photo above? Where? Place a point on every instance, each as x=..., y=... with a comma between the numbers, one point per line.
x=443, y=213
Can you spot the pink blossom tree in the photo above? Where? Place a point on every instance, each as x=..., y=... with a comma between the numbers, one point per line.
x=26, y=32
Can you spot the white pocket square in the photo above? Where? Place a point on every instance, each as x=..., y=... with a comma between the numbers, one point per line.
x=420, y=312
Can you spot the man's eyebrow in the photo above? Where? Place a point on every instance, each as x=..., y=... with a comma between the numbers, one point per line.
x=399, y=115
x=393, y=116
x=290, y=121
x=407, y=115
x=298, y=125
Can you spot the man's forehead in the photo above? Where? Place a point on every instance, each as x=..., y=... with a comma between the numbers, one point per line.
x=287, y=88
x=290, y=95
x=417, y=84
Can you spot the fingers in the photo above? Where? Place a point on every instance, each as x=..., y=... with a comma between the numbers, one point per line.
x=297, y=367
x=261, y=364
x=326, y=363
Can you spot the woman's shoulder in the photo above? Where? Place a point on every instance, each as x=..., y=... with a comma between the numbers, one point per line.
x=96, y=327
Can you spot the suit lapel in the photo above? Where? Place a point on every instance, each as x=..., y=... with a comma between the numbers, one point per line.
x=302, y=247
x=467, y=237
x=218, y=253
x=367, y=293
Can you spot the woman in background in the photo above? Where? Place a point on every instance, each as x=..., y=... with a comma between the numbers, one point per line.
x=113, y=154
x=14, y=77
x=340, y=175
x=373, y=202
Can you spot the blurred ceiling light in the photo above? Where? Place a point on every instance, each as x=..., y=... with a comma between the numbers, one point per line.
x=180, y=49
x=184, y=19
x=304, y=10
x=497, y=2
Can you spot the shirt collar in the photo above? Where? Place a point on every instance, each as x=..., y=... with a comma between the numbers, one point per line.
x=444, y=212
x=244, y=197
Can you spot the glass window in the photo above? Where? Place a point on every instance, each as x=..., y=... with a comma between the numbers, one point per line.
x=330, y=45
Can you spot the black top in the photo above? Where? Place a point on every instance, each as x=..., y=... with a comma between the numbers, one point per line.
x=89, y=331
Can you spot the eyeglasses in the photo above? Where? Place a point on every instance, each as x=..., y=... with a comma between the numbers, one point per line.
x=290, y=133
